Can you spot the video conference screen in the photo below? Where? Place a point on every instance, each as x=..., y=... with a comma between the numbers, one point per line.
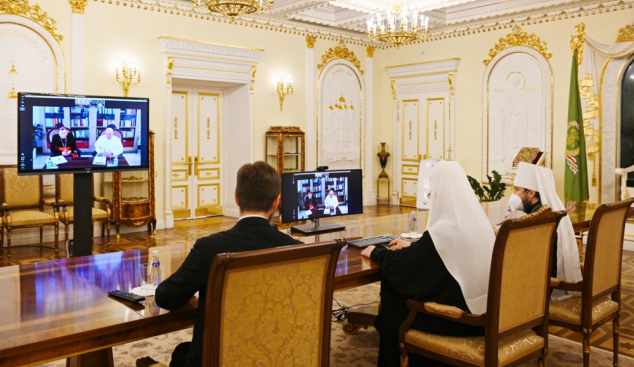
x=72, y=133
x=311, y=195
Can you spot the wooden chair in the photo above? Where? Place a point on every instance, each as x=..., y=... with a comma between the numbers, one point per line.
x=23, y=204
x=600, y=289
x=516, y=302
x=64, y=186
x=269, y=307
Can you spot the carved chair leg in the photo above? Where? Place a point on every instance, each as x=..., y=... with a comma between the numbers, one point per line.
x=586, y=350
x=118, y=236
x=56, y=238
x=108, y=232
x=404, y=359
x=615, y=336
x=41, y=235
x=66, y=230
x=541, y=362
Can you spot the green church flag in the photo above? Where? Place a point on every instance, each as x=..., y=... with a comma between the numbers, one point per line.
x=576, y=178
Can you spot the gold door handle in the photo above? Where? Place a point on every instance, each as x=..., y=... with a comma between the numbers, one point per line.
x=189, y=165
x=196, y=166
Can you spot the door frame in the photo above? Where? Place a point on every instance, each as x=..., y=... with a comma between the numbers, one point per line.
x=205, y=64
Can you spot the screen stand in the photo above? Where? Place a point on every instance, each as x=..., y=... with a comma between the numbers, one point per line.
x=317, y=228
x=82, y=224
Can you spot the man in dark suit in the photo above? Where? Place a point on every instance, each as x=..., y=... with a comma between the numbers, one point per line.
x=258, y=195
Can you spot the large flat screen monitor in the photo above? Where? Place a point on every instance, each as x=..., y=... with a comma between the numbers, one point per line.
x=71, y=134
x=316, y=195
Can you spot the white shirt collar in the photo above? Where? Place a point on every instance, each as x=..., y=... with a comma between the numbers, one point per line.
x=251, y=216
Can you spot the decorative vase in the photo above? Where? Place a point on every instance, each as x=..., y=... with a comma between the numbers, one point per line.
x=383, y=155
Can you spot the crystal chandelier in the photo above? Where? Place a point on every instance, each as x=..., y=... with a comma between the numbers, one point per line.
x=234, y=8
x=398, y=27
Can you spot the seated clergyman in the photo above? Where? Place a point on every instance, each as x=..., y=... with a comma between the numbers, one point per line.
x=450, y=264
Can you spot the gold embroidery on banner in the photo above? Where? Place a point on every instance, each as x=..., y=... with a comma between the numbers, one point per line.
x=626, y=34
x=78, y=6
x=339, y=52
x=310, y=41
x=35, y=13
x=518, y=38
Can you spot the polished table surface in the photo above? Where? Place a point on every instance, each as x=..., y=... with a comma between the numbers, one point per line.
x=54, y=309
x=86, y=161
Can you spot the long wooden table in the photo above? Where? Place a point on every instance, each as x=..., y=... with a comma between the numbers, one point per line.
x=60, y=308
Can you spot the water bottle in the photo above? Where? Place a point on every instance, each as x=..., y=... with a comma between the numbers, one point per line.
x=413, y=224
x=115, y=161
x=156, y=268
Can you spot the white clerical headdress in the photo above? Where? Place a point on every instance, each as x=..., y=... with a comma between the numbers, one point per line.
x=461, y=232
x=568, y=268
x=525, y=177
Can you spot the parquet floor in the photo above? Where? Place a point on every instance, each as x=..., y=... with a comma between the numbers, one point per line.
x=190, y=231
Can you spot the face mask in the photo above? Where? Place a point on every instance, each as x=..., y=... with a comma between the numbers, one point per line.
x=516, y=202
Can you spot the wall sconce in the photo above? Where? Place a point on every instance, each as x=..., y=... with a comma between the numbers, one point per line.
x=128, y=76
x=281, y=91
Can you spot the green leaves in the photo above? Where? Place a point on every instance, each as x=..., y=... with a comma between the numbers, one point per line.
x=493, y=192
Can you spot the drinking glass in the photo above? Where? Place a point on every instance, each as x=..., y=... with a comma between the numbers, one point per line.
x=146, y=277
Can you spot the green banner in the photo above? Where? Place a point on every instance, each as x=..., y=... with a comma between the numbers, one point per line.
x=576, y=179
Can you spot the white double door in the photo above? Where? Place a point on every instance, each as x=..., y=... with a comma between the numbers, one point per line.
x=195, y=157
x=423, y=119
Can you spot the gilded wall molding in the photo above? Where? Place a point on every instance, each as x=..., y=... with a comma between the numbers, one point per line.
x=626, y=34
x=339, y=52
x=170, y=65
x=78, y=6
x=310, y=41
x=518, y=38
x=576, y=43
x=370, y=50
x=254, y=69
x=35, y=13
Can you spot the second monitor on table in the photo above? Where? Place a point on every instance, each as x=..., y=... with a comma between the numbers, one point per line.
x=315, y=195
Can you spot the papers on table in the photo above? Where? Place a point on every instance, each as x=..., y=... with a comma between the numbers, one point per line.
x=58, y=160
x=99, y=160
x=326, y=211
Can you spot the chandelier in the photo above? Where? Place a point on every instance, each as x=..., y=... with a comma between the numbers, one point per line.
x=234, y=8
x=398, y=27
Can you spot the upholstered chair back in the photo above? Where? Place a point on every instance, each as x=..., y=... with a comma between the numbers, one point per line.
x=271, y=307
x=64, y=186
x=520, y=267
x=20, y=191
x=605, y=247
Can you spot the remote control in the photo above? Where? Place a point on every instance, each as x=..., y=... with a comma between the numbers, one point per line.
x=127, y=296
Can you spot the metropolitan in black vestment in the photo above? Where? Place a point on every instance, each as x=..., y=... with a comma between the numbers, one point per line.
x=449, y=264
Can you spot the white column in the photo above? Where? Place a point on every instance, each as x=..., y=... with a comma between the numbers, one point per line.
x=77, y=49
x=169, y=215
x=369, y=196
x=396, y=156
x=311, y=148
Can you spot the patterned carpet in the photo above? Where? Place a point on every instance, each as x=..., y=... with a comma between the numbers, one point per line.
x=359, y=350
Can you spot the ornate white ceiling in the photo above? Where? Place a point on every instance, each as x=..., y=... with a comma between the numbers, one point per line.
x=346, y=19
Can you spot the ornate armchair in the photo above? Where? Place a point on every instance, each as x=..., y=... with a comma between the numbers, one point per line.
x=270, y=307
x=23, y=204
x=600, y=289
x=516, y=302
x=64, y=186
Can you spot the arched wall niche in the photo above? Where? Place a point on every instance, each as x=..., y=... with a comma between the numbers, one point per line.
x=36, y=56
x=340, y=118
x=517, y=108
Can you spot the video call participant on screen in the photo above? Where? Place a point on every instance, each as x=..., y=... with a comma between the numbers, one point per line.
x=64, y=144
x=309, y=201
x=258, y=196
x=331, y=202
x=108, y=145
x=450, y=265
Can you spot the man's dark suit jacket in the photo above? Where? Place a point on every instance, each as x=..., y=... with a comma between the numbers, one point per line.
x=251, y=233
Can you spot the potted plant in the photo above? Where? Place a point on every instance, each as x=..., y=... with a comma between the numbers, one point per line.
x=493, y=192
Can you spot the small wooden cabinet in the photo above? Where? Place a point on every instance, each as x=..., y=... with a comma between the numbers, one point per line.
x=285, y=148
x=133, y=195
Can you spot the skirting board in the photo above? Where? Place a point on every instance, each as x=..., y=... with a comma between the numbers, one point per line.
x=30, y=236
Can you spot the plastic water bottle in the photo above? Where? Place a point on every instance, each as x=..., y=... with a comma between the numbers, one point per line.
x=413, y=224
x=115, y=161
x=156, y=268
